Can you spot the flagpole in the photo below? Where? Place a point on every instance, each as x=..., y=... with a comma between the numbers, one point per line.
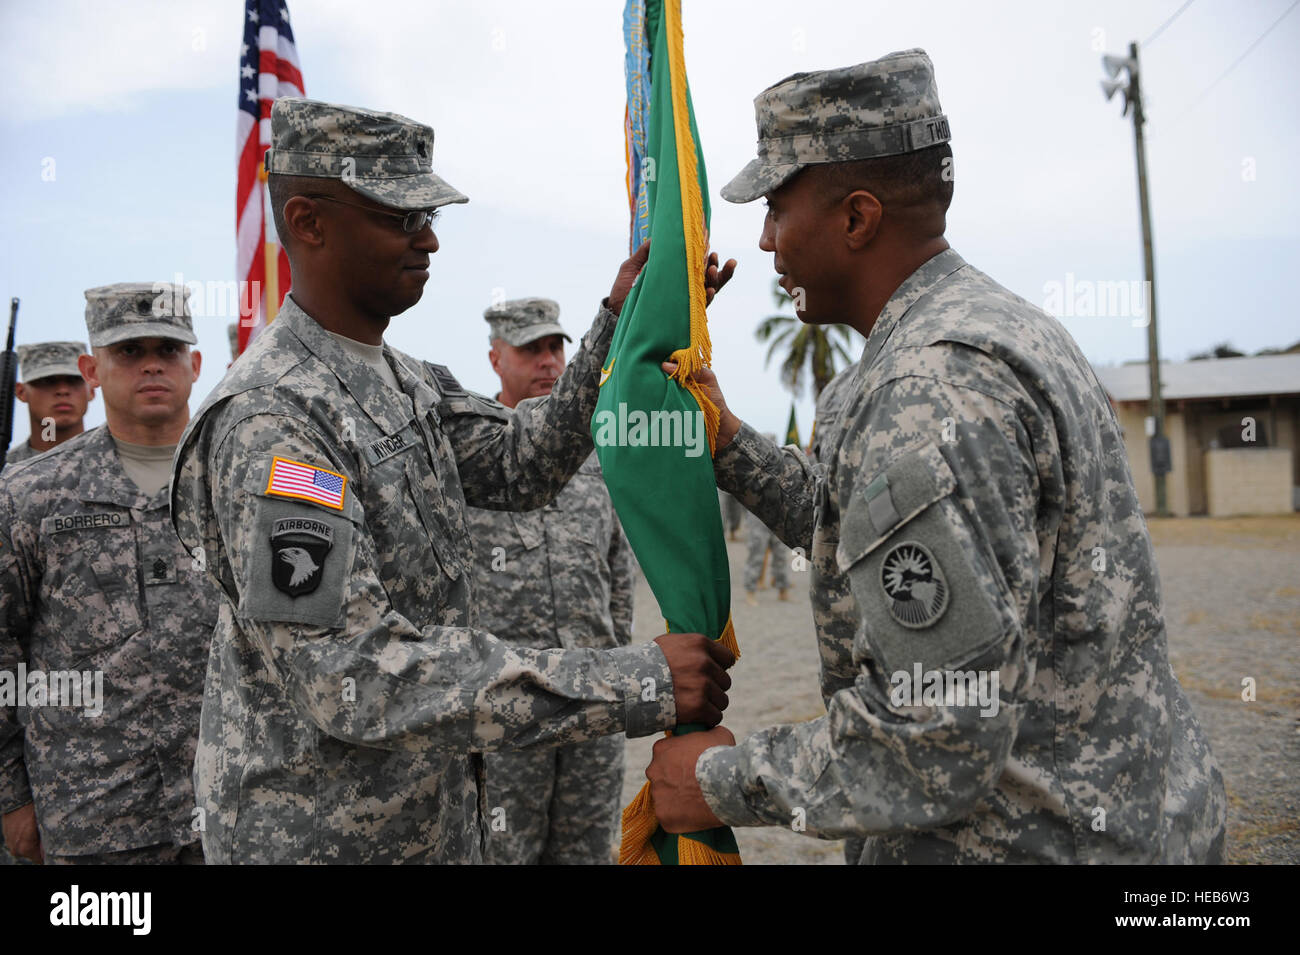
x=271, y=282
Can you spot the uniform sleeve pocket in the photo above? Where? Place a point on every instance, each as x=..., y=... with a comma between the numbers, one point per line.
x=301, y=563
x=928, y=593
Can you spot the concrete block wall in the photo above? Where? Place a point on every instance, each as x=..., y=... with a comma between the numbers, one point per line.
x=1248, y=481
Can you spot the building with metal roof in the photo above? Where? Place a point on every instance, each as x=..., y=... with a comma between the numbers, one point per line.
x=1233, y=426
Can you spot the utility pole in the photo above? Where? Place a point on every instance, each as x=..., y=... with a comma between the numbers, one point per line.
x=1161, y=463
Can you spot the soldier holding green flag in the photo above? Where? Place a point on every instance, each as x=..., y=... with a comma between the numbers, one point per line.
x=994, y=656
x=322, y=486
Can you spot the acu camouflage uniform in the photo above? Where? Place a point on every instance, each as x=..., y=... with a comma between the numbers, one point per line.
x=826, y=416
x=349, y=690
x=759, y=542
x=559, y=576
x=21, y=452
x=977, y=514
x=343, y=723
x=826, y=421
x=732, y=513
x=92, y=578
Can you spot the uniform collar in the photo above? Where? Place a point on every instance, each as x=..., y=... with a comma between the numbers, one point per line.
x=930, y=274
x=103, y=480
x=412, y=384
x=374, y=397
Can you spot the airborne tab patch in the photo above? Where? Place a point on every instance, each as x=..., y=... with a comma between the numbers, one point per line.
x=306, y=482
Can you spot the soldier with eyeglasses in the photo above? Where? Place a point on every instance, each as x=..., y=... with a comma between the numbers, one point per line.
x=350, y=692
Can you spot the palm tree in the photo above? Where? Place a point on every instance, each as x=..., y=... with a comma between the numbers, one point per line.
x=819, y=349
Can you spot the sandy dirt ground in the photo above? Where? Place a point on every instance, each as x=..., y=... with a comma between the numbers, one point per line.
x=1232, y=603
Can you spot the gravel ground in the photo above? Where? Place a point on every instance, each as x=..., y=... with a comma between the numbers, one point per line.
x=1232, y=602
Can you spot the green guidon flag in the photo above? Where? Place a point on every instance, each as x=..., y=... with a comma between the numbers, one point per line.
x=654, y=436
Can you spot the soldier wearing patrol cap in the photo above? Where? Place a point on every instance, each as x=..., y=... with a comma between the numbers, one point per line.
x=55, y=394
x=102, y=607
x=994, y=656
x=558, y=576
x=351, y=689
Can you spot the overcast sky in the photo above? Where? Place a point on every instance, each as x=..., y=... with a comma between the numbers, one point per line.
x=118, y=123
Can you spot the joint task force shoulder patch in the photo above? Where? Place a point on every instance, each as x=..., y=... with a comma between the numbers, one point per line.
x=914, y=584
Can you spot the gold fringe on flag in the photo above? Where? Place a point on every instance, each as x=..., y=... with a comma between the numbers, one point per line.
x=639, y=821
x=699, y=354
x=690, y=852
x=639, y=824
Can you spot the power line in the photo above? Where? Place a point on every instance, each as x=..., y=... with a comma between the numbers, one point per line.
x=1235, y=63
x=1161, y=29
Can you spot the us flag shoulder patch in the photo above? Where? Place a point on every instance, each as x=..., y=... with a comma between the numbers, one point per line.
x=306, y=482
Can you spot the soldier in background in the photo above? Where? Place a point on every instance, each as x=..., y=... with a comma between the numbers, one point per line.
x=558, y=576
x=56, y=397
x=55, y=394
x=980, y=520
x=733, y=512
x=98, y=596
x=760, y=545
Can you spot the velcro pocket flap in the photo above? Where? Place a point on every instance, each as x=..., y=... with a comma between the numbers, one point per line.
x=910, y=484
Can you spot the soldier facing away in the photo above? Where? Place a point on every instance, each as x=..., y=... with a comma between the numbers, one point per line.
x=55, y=394
x=994, y=656
x=101, y=605
x=351, y=692
x=558, y=576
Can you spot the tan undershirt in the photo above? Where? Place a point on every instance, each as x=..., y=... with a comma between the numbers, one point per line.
x=148, y=465
x=372, y=355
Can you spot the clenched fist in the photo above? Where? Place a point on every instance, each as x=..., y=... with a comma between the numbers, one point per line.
x=699, y=667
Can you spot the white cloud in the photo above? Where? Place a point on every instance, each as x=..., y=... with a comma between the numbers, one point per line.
x=64, y=57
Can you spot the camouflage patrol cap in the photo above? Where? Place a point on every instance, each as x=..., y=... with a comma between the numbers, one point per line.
x=885, y=107
x=115, y=313
x=382, y=156
x=523, y=320
x=232, y=332
x=47, y=359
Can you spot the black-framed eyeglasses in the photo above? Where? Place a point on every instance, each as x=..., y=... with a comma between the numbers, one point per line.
x=411, y=221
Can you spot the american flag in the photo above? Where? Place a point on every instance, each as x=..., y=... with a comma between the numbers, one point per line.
x=268, y=69
x=295, y=479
